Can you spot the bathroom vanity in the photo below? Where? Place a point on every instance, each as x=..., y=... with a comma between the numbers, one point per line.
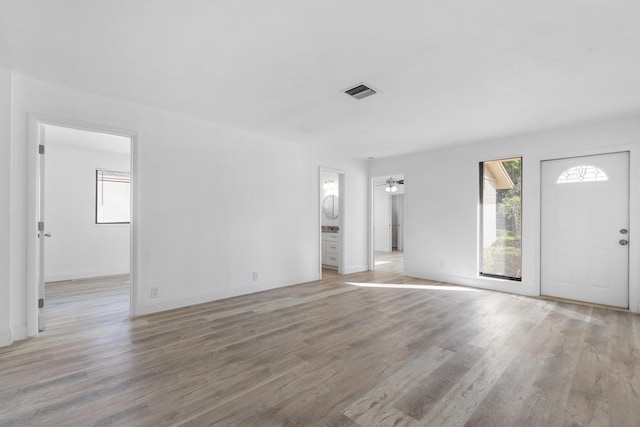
x=330, y=249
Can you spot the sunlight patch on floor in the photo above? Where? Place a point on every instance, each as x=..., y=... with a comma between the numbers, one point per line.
x=408, y=286
x=382, y=262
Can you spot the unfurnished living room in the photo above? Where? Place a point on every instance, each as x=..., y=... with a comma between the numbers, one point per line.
x=319, y=213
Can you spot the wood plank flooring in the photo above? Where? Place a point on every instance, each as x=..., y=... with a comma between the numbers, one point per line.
x=344, y=351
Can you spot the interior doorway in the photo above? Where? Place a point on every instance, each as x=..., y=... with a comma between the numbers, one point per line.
x=388, y=193
x=332, y=233
x=584, y=229
x=397, y=222
x=85, y=216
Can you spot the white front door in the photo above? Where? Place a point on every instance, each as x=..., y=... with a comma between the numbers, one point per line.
x=584, y=229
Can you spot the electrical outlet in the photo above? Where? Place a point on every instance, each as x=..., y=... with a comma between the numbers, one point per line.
x=255, y=276
x=154, y=292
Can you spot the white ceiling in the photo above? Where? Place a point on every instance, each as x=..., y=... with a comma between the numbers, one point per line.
x=85, y=140
x=448, y=71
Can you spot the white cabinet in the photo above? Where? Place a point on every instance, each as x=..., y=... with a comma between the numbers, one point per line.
x=330, y=250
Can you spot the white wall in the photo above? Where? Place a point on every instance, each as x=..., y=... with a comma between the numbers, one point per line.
x=78, y=247
x=441, y=216
x=6, y=333
x=212, y=207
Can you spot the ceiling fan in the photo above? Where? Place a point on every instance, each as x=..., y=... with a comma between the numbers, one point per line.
x=391, y=184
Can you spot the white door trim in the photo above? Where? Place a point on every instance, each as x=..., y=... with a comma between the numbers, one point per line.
x=35, y=138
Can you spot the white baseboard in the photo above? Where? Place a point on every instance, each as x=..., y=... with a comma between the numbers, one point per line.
x=492, y=284
x=355, y=269
x=6, y=337
x=82, y=275
x=163, y=304
x=19, y=333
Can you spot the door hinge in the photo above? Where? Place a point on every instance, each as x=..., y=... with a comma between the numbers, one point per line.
x=40, y=149
x=41, y=303
x=40, y=226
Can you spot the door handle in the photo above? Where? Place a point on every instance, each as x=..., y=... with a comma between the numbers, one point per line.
x=623, y=242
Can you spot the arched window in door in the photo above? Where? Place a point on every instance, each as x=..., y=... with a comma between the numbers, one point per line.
x=582, y=173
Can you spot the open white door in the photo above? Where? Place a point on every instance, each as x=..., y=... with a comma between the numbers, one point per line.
x=42, y=234
x=584, y=229
x=36, y=214
x=398, y=221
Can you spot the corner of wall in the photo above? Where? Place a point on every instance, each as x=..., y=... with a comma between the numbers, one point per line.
x=355, y=269
x=6, y=337
x=6, y=97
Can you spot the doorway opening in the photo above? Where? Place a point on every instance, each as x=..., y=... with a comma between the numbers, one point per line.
x=83, y=254
x=387, y=249
x=331, y=222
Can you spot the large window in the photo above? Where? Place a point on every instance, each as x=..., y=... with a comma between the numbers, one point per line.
x=113, y=195
x=501, y=218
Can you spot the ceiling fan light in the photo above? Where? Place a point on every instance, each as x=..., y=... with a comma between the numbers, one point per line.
x=393, y=189
x=387, y=189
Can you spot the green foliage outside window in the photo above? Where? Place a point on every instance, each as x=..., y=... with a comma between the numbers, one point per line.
x=504, y=256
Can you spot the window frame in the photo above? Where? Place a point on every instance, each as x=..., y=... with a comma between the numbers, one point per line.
x=481, y=220
x=97, y=182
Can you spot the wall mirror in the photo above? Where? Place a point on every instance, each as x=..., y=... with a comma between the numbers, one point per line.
x=330, y=206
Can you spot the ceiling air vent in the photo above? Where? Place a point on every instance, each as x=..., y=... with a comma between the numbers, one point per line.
x=360, y=91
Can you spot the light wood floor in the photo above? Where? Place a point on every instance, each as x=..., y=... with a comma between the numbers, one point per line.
x=339, y=352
